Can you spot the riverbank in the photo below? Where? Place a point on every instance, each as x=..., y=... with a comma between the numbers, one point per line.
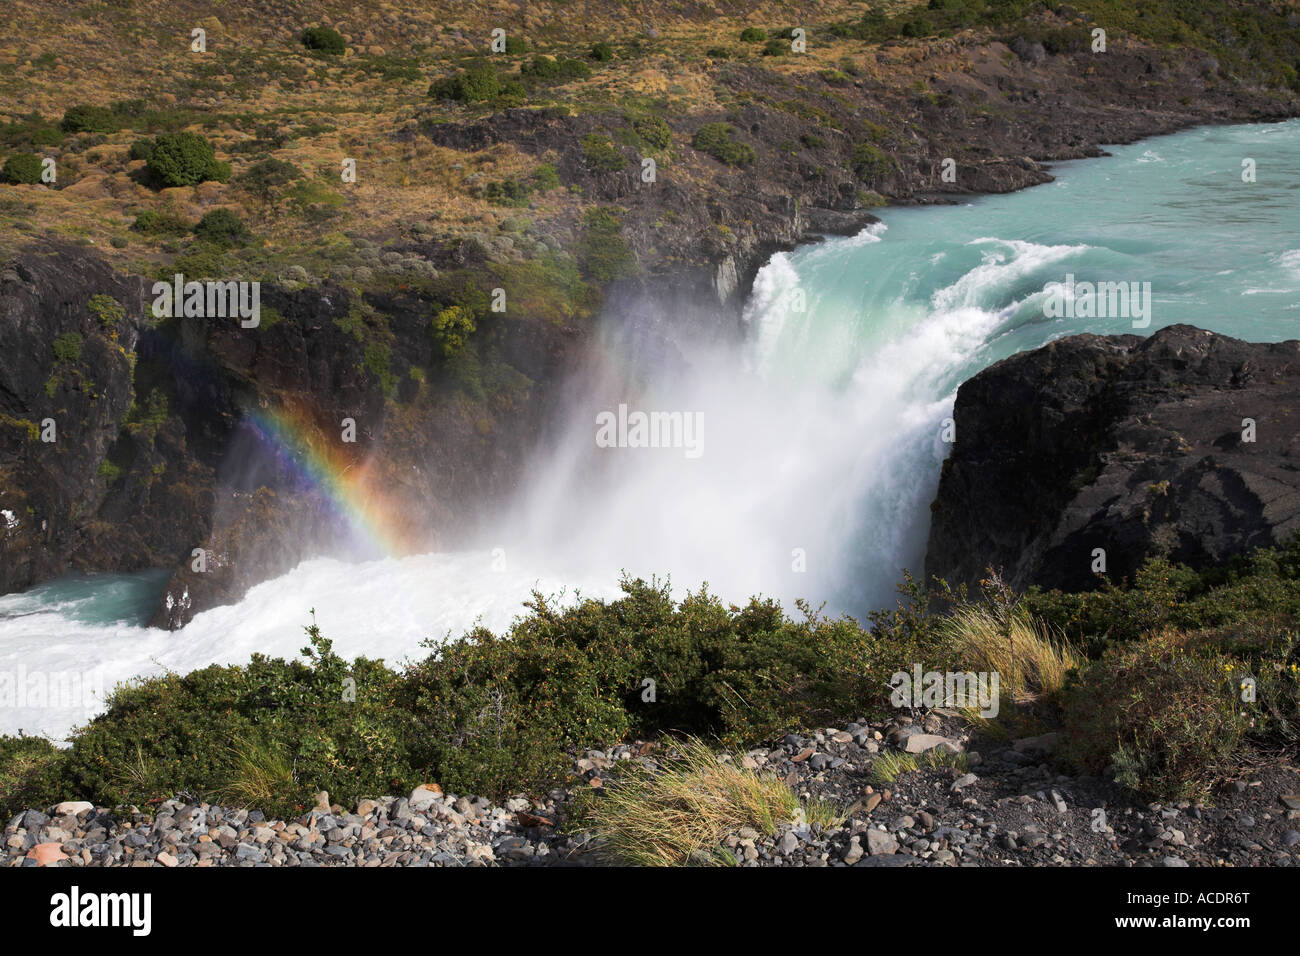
x=1178, y=690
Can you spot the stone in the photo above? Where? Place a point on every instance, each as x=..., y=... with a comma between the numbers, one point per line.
x=880, y=843
x=853, y=852
x=72, y=807
x=46, y=854
x=1042, y=744
x=920, y=743
x=424, y=796
x=964, y=781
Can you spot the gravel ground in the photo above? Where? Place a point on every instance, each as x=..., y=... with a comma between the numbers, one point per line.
x=1004, y=806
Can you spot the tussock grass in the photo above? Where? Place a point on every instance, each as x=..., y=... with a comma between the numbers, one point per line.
x=662, y=818
x=1031, y=663
x=261, y=776
x=892, y=764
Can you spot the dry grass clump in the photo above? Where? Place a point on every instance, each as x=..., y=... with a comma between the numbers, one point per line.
x=686, y=808
x=1031, y=663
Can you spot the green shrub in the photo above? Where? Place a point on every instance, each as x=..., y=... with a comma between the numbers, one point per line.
x=477, y=83
x=67, y=347
x=377, y=360
x=548, y=68
x=324, y=40
x=870, y=163
x=24, y=168
x=653, y=131
x=602, y=154
x=545, y=177
x=718, y=53
x=1163, y=711
x=107, y=310
x=1264, y=583
x=266, y=178
x=715, y=139
x=185, y=159
x=541, y=67
x=331, y=722
x=776, y=47
x=752, y=35
x=602, y=254
x=516, y=45
x=153, y=223
x=30, y=772
x=223, y=228
x=47, y=136
x=140, y=149
x=452, y=327
x=601, y=52
x=90, y=119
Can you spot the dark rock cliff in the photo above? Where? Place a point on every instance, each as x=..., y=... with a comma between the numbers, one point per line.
x=1140, y=447
x=155, y=453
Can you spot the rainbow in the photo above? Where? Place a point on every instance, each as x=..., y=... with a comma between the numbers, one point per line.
x=332, y=468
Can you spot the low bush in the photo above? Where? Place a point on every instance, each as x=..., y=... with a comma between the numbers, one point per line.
x=653, y=131
x=154, y=223
x=323, y=40
x=452, y=327
x=90, y=119
x=185, y=159
x=477, y=83
x=1163, y=711
x=870, y=163
x=223, y=228
x=602, y=153
x=716, y=140
x=21, y=169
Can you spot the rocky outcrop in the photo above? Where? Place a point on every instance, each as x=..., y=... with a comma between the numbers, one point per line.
x=1182, y=445
x=154, y=451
